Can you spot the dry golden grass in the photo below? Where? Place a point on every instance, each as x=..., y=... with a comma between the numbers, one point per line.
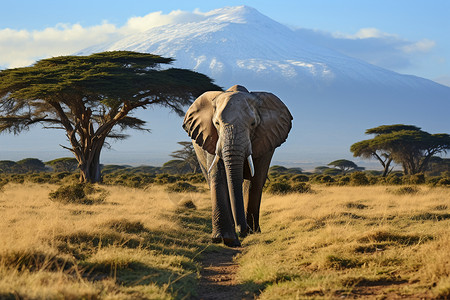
x=351, y=241
x=136, y=244
x=357, y=242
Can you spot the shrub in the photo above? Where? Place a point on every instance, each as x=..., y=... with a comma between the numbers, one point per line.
x=17, y=178
x=433, y=180
x=301, y=187
x=195, y=178
x=40, y=178
x=344, y=180
x=375, y=180
x=181, y=187
x=327, y=179
x=279, y=188
x=165, y=178
x=406, y=190
x=414, y=179
x=61, y=175
x=444, y=181
x=316, y=178
x=332, y=172
x=78, y=194
x=358, y=178
x=394, y=179
x=300, y=178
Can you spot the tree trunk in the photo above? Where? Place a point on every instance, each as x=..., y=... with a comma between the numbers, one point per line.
x=386, y=166
x=424, y=163
x=90, y=164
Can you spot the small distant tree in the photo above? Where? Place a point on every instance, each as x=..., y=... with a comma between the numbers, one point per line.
x=277, y=168
x=332, y=172
x=187, y=157
x=64, y=164
x=176, y=166
x=344, y=165
x=31, y=165
x=92, y=98
x=8, y=166
x=438, y=165
x=406, y=145
x=321, y=169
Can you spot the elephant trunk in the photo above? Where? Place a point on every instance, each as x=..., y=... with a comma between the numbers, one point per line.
x=234, y=164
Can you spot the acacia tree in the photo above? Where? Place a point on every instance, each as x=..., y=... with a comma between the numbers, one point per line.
x=368, y=149
x=92, y=97
x=31, y=165
x=63, y=164
x=187, y=156
x=344, y=165
x=406, y=145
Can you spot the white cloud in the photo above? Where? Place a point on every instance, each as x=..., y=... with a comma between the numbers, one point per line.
x=372, y=45
x=155, y=19
x=424, y=45
x=20, y=48
x=364, y=33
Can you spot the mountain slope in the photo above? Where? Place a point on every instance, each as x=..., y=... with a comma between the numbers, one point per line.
x=333, y=98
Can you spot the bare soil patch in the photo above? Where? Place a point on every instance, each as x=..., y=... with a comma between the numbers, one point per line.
x=218, y=276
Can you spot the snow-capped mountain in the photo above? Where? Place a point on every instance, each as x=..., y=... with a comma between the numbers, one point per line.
x=333, y=98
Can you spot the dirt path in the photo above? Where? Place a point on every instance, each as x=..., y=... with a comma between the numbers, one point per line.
x=218, y=279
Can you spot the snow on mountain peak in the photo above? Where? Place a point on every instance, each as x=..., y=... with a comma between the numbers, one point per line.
x=234, y=14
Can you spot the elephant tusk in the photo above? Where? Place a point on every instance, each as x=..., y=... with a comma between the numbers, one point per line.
x=215, y=161
x=250, y=164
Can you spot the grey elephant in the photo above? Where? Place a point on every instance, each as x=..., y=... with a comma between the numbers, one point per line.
x=235, y=134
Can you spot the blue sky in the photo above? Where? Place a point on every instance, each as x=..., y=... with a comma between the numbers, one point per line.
x=407, y=36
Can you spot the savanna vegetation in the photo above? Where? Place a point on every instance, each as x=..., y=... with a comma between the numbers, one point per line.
x=319, y=241
x=340, y=231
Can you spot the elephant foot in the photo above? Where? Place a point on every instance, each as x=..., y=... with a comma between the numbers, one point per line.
x=232, y=243
x=247, y=231
x=229, y=240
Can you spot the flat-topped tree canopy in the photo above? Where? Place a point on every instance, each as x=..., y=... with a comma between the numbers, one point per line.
x=406, y=145
x=91, y=97
x=384, y=129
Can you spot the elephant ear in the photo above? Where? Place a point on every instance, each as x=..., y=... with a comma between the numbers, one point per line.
x=274, y=126
x=198, y=122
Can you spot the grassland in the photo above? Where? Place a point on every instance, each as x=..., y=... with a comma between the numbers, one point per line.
x=358, y=242
x=381, y=242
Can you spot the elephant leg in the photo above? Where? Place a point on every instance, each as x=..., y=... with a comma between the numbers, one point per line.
x=222, y=218
x=253, y=190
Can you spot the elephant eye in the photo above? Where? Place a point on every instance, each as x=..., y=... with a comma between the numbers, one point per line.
x=253, y=123
x=217, y=123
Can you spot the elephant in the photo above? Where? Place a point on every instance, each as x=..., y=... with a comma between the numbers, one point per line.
x=234, y=134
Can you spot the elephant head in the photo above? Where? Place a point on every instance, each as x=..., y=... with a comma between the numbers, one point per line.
x=235, y=126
